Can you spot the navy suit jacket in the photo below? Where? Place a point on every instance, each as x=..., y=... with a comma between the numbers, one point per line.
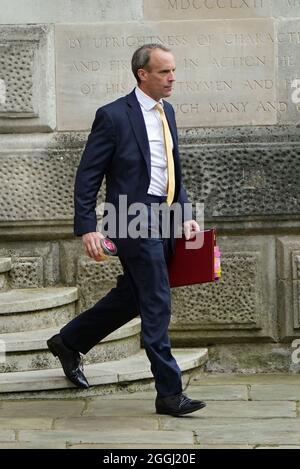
x=118, y=148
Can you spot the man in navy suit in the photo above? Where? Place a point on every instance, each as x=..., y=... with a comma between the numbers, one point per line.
x=134, y=144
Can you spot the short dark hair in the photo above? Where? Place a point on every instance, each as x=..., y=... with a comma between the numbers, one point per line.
x=141, y=57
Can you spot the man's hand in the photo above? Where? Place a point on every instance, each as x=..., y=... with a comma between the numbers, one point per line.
x=92, y=246
x=190, y=229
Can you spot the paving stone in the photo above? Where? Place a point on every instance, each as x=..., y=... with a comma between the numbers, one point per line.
x=235, y=409
x=226, y=446
x=128, y=420
x=233, y=379
x=219, y=392
x=33, y=445
x=17, y=423
x=170, y=446
x=138, y=395
x=285, y=392
x=45, y=408
x=278, y=447
x=126, y=437
x=277, y=431
x=105, y=407
x=132, y=446
x=7, y=435
x=109, y=424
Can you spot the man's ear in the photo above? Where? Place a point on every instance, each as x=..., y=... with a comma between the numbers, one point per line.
x=142, y=74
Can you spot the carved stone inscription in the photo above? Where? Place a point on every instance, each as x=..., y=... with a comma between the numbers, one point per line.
x=288, y=38
x=286, y=8
x=225, y=71
x=205, y=9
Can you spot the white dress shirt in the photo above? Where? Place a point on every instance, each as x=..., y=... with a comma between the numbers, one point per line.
x=159, y=173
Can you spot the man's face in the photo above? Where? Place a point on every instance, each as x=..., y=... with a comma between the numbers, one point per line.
x=158, y=78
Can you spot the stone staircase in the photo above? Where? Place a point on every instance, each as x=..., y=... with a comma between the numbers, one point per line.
x=28, y=317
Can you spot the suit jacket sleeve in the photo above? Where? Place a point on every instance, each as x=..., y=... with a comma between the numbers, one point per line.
x=186, y=206
x=97, y=155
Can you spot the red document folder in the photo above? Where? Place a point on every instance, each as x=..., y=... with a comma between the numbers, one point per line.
x=191, y=266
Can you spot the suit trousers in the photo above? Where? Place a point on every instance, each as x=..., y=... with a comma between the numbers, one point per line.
x=143, y=290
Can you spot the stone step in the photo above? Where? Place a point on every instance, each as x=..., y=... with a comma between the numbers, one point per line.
x=28, y=350
x=135, y=368
x=36, y=308
x=5, y=266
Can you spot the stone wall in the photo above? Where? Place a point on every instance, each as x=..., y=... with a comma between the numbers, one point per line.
x=237, y=103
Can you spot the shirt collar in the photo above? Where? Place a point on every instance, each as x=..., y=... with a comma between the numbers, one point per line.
x=145, y=101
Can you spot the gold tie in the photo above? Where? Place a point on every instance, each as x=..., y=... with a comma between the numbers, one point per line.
x=169, y=153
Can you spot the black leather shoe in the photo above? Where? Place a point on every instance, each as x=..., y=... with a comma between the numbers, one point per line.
x=177, y=405
x=71, y=361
